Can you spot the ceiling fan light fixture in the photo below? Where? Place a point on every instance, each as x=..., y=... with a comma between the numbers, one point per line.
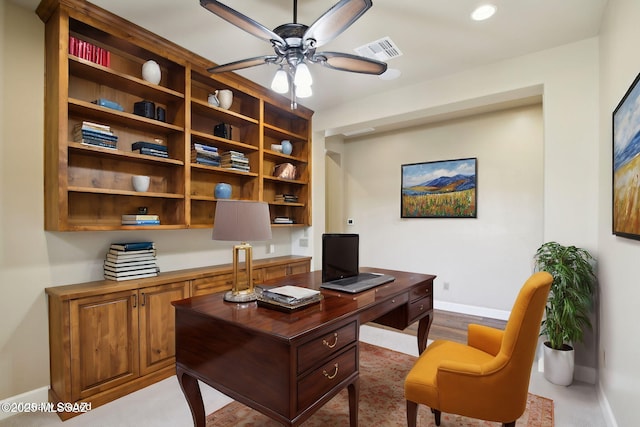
x=280, y=83
x=302, y=75
x=483, y=12
x=303, y=91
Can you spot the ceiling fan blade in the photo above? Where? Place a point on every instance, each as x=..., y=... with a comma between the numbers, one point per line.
x=243, y=63
x=336, y=20
x=241, y=21
x=347, y=62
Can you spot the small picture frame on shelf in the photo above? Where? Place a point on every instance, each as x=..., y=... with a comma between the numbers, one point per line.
x=285, y=171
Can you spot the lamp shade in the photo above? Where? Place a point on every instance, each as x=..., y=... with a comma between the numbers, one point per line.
x=241, y=220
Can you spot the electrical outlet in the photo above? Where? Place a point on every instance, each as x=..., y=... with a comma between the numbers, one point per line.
x=271, y=248
x=445, y=286
x=304, y=243
x=350, y=221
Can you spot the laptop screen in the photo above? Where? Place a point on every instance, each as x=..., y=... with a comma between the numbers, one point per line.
x=339, y=256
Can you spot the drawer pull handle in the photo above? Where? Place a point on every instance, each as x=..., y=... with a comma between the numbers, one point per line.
x=421, y=307
x=335, y=341
x=331, y=376
x=393, y=301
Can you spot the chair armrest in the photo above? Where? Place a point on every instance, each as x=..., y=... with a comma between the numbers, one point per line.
x=485, y=338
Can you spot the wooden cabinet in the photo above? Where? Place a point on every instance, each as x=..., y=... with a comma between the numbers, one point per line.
x=103, y=342
x=88, y=186
x=107, y=338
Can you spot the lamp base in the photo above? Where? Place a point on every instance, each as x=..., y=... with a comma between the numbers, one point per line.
x=240, y=296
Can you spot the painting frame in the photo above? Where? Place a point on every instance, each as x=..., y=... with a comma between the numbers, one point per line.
x=440, y=189
x=625, y=164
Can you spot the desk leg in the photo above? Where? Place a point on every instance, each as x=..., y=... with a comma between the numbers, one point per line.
x=423, y=331
x=191, y=390
x=354, y=392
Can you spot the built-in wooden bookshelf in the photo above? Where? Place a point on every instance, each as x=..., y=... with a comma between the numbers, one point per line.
x=88, y=187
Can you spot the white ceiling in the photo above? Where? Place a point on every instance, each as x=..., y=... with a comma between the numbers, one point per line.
x=436, y=37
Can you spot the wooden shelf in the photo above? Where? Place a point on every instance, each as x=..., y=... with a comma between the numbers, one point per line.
x=89, y=187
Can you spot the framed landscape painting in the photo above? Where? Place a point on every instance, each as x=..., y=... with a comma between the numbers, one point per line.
x=440, y=189
x=626, y=164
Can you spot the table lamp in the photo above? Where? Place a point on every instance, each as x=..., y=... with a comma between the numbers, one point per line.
x=241, y=220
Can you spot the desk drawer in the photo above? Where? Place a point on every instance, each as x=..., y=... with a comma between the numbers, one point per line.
x=326, y=345
x=326, y=377
x=420, y=291
x=418, y=308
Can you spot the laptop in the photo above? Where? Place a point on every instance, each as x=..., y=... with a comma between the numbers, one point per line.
x=340, y=268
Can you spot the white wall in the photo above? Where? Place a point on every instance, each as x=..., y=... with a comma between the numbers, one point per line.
x=484, y=260
x=32, y=259
x=619, y=270
x=567, y=79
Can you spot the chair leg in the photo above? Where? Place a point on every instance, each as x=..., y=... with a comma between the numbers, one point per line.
x=412, y=413
x=436, y=415
x=511, y=424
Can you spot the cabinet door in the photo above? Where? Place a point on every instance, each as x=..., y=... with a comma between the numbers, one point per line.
x=157, y=325
x=104, y=342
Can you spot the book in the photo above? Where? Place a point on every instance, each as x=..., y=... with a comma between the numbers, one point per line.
x=123, y=268
x=207, y=161
x=200, y=146
x=152, y=145
x=133, y=246
x=141, y=222
x=139, y=217
x=129, y=263
x=289, y=294
x=199, y=152
x=152, y=152
x=132, y=272
x=132, y=277
x=96, y=143
x=117, y=259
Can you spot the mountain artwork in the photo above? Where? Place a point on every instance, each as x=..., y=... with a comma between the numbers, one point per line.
x=440, y=189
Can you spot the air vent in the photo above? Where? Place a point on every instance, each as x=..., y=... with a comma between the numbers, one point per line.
x=382, y=50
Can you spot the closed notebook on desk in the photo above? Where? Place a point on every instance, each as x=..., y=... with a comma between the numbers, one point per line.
x=340, y=265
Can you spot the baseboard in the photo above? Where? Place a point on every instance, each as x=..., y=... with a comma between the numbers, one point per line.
x=607, y=413
x=472, y=310
x=39, y=395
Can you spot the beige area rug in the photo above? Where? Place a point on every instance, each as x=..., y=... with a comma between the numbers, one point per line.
x=382, y=402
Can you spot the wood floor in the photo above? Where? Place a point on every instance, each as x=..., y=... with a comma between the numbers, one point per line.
x=453, y=326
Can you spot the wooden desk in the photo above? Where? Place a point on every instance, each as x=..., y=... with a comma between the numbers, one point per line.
x=287, y=365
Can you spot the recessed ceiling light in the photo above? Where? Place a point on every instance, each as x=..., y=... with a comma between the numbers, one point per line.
x=483, y=12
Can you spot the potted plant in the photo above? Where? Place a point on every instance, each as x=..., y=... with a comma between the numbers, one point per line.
x=568, y=306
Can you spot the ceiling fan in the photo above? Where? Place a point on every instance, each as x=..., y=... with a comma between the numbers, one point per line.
x=295, y=43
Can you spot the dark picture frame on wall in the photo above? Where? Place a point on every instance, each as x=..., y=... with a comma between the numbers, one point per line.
x=626, y=164
x=440, y=189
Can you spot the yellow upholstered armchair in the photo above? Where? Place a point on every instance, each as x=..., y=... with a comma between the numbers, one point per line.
x=488, y=378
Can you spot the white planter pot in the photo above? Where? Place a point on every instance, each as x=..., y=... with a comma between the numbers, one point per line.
x=559, y=365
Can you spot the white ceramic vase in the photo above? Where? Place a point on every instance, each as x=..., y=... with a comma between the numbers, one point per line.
x=140, y=182
x=225, y=98
x=151, y=72
x=558, y=365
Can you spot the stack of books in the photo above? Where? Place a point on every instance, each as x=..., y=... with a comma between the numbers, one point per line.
x=287, y=198
x=205, y=154
x=127, y=261
x=89, y=51
x=150, y=149
x=234, y=160
x=97, y=134
x=287, y=298
x=140, y=219
x=282, y=220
